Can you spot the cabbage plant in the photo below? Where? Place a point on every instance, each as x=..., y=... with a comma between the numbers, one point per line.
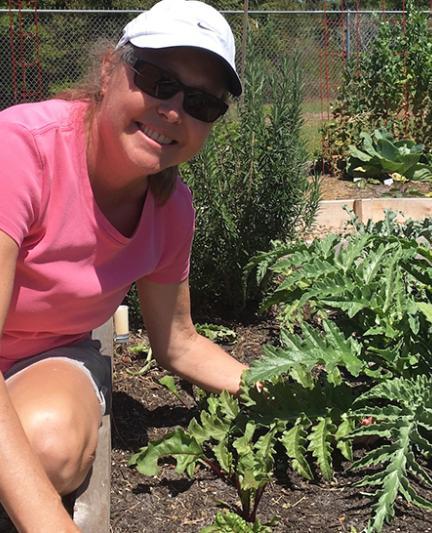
x=380, y=156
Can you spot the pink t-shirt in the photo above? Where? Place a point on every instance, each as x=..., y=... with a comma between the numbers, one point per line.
x=74, y=267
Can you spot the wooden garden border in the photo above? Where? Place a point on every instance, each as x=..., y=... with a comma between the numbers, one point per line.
x=91, y=508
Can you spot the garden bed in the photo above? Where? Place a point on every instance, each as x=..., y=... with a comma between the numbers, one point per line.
x=143, y=410
x=169, y=503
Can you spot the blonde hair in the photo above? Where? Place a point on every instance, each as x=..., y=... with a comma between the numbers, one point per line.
x=88, y=89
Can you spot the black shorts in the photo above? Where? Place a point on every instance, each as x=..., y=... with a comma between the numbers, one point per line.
x=84, y=354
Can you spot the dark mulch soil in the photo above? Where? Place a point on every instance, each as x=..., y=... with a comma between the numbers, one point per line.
x=143, y=410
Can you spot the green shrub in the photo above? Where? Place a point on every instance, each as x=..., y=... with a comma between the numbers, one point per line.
x=389, y=85
x=249, y=185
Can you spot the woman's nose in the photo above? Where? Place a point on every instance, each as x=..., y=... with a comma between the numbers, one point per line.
x=172, y=108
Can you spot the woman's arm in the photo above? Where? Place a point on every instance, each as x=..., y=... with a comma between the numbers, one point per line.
x=25, y=490
x=175, y=343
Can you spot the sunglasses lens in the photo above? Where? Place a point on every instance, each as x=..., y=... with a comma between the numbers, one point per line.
x=204, y=106
x=153, y=81
x=157, y=83
x=166, y=88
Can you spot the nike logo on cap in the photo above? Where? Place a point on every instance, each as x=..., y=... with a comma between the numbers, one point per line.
x=204, y=27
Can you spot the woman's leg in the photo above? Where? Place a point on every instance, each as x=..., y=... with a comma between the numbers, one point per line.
x=60, y=413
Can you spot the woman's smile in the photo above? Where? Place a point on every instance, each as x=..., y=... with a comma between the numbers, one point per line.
x=154, y=135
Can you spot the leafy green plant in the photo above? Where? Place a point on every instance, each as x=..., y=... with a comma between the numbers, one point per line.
x=420, y=230
x=224, y=441
x=229, y=522
x=356, y=314
x=149, y=361
x=352, y=362
x=380, y=156
x=216, y=332
x=402, y=414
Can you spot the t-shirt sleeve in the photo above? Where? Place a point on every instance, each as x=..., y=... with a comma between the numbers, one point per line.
x=179, y=221
x=20, y=181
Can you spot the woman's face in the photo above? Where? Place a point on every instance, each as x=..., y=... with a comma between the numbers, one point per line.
x=138, y=134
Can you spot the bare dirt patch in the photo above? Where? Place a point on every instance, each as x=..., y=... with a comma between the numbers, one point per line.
x=337, y=188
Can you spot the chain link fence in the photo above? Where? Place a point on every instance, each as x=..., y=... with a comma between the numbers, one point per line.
x=43, y=52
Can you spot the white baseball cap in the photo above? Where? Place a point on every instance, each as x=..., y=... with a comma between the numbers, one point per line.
x=185, y=23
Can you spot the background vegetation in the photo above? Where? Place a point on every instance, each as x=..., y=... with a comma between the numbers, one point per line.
x=388, y=86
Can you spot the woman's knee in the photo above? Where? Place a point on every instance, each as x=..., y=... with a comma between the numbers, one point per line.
x=60, y=414
x=64, y=447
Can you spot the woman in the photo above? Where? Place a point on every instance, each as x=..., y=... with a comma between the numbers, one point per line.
x=90, y=201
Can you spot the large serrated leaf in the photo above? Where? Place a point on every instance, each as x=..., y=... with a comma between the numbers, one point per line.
x=277, y=362
x=229, y=405
x=347, y=349
x=294, y=441
x=320, y=444
x=400, y=424
x=384, y=508
x=224, y=456
x=184, y=448
x=214, y=426
x=376, y=456
x=343, y=443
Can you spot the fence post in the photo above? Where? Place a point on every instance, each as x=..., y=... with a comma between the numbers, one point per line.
x=245, y=28
x=348, y=34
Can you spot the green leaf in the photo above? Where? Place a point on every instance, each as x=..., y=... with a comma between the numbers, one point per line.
x=426, y=309
x=224, y=456
x=392, y=281
x=344, y=444
x=169, y=383
x=182, y=447
x=230, y=522
x=216, y=332
x=412, y=497
x=243, y=444
x=347, y=350
x=294, y=441
x=320, y=444
x=359, y=154
x=276, y=362
x=420, y=172
x=399, y=422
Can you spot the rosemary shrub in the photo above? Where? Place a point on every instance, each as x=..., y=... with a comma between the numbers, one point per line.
x=249, y=185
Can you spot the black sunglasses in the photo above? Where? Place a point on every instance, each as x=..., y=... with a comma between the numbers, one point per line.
x=158, y=83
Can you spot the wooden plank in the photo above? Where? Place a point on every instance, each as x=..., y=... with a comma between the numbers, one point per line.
x=415, y=208
x=91, y=511
x=332, y=215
